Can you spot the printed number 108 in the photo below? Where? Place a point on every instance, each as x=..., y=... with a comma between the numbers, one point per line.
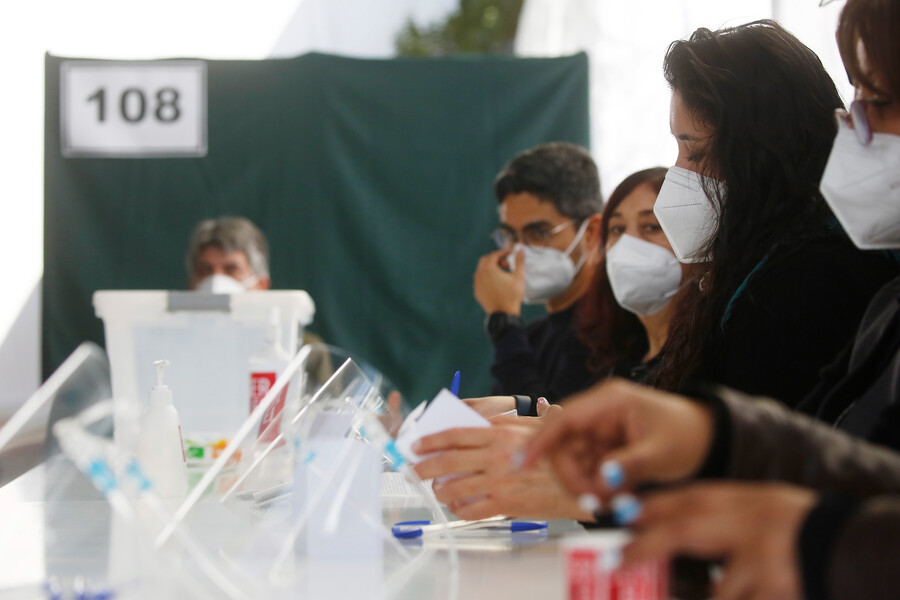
x=133, y=105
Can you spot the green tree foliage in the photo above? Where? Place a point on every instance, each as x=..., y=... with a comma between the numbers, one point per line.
x=478, y=26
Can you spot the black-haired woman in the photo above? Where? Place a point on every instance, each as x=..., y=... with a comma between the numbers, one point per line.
x=777, y=288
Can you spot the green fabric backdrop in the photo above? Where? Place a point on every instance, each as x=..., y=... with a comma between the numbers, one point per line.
x=371, y=178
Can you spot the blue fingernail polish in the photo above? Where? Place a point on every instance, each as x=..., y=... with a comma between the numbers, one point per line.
x=626, y=509
x=612, y=474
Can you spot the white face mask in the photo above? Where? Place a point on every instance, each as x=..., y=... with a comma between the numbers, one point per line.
x=862, y=186
x=548, y=271
x=644, y=277
x=687, y=217
x=223, y=284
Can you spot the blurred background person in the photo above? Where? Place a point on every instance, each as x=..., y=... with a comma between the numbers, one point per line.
x=228, y=255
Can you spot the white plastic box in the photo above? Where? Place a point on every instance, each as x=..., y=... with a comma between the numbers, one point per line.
x=208, y=339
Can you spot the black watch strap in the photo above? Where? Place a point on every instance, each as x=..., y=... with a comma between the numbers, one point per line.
x=523, y=406
x=497, y=323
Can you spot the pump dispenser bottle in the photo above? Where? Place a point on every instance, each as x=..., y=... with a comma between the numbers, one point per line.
x=265, y=367
x=160, y=447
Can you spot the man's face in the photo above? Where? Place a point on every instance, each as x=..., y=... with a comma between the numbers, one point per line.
x=212, y=260
x=536, y=222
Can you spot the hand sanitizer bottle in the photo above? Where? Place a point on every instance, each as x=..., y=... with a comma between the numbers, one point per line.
x=160, y=447
x=265, y=367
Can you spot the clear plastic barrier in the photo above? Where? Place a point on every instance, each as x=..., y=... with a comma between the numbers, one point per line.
x=293, y=506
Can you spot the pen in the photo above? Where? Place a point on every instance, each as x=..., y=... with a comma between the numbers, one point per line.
x=454, y=387
x=415, y=529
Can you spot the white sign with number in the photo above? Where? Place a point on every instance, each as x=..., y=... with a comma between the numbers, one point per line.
x=131, y=109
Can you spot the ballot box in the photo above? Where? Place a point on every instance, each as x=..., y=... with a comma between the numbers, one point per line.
x=208, y=340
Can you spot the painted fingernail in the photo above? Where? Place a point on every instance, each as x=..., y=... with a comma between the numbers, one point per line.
x=626, y=509
x=517, y=459
x=589, y=503
x=612, y=474
x=416, y=446
x=543, y=400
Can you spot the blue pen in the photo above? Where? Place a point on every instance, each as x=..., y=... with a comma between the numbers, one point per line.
x=454, y=387
x=415, y=529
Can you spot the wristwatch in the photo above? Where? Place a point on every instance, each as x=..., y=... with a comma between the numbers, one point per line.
x=496, y=324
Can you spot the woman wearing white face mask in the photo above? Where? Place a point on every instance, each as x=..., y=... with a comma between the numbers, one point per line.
x=860, y=390
x=775, y=287
x=624, y=318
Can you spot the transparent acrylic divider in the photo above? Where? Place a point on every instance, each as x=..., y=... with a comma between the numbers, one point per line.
x=291, y=508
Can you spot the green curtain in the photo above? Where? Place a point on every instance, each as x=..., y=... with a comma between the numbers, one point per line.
x=371, y=178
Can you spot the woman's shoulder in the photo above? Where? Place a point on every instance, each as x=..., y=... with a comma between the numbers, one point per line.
x=831, y=259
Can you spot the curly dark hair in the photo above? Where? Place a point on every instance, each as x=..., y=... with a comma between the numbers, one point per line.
x=769, y=104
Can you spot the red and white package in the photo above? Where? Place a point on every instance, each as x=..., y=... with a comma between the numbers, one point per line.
x=592, y=566
x=260, y=383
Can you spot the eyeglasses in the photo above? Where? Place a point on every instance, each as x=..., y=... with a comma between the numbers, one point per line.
x=532, y=235
x=856, y=118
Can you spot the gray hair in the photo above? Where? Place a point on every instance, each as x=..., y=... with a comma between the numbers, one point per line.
x=230, y=234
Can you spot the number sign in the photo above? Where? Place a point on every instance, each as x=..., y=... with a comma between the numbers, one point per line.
x=133, y=109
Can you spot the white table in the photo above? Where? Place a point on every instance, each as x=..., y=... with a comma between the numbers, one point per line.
x=67, y=532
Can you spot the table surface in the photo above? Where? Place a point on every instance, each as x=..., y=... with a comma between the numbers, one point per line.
x=56, y=524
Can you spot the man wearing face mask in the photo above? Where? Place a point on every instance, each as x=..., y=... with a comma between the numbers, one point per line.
x=228, y=255
x=548, y=242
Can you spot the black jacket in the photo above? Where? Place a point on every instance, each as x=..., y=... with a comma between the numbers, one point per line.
x=858, y=392
x=794, y=315
x=543, y=358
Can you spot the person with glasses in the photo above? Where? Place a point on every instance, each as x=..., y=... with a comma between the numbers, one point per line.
x=859, y=392
x=548, y=246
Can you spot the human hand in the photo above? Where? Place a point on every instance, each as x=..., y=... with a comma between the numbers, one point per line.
x=499, y=290
x=753, y=527
x=490, y=406
x=618, y=435
x=474, y=477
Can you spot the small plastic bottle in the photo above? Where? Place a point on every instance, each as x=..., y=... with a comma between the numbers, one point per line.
x=160, y=445
x=265, y=367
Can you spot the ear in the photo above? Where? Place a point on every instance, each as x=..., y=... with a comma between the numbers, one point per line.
x=592, y=233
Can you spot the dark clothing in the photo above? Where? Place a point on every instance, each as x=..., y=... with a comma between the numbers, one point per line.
x=794, y=314
x=859, y=391
x=544, y=358
x=638, y=372
x=849, y=544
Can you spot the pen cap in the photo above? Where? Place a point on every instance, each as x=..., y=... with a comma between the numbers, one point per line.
x=160, y=393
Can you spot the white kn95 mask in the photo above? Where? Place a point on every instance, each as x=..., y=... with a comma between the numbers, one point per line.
x=644, y=276
x=687, y=217
x=224, y=284
x=548, y=271
x=861, y=184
